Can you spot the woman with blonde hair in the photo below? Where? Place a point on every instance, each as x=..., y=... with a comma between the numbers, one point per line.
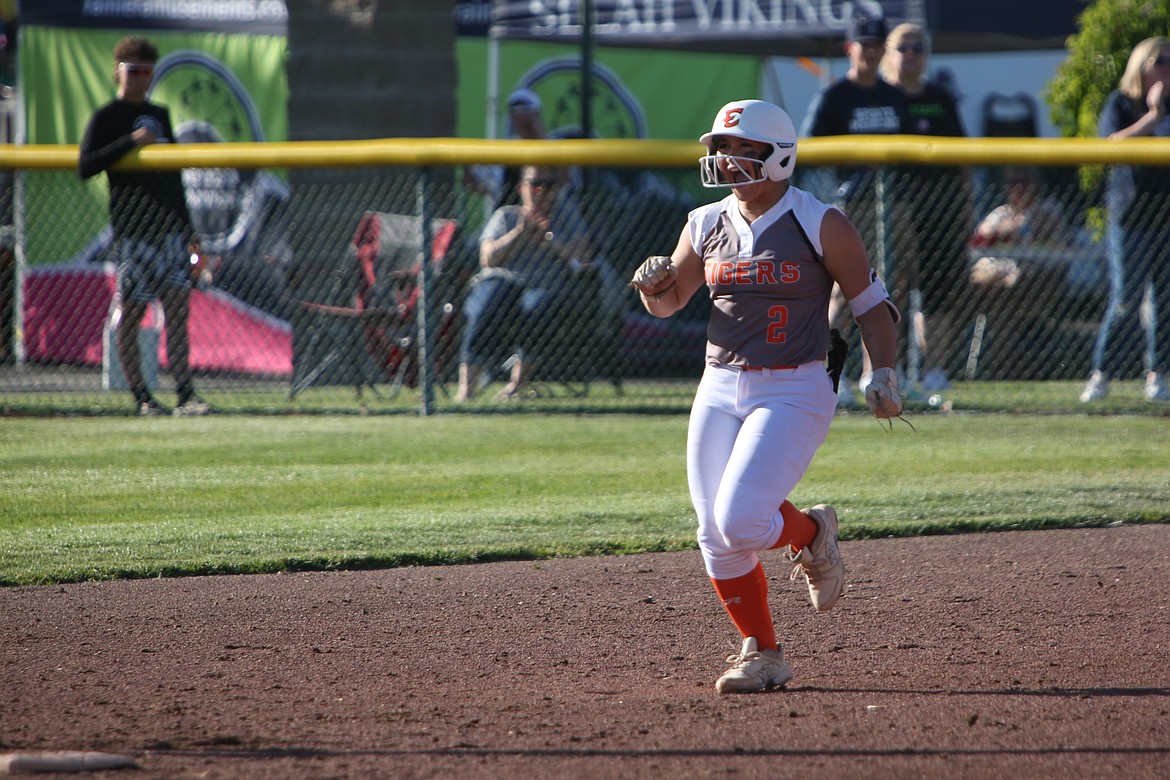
x=1138, y=248
x=934, y=210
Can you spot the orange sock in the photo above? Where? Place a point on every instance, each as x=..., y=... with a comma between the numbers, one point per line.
x=746, y=601
x=799, y=529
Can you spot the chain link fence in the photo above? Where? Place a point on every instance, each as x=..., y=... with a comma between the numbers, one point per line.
x=361, y=287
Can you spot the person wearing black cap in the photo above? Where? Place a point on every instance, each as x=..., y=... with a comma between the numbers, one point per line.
x=859, y=103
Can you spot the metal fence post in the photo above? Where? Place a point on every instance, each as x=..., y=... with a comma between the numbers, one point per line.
x=884, y=224
x=887, y=266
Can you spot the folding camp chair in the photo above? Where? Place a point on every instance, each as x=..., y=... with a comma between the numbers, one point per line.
x=361, y=329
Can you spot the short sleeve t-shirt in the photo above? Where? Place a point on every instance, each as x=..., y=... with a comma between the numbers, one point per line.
x=846, y=108
x=540, y=266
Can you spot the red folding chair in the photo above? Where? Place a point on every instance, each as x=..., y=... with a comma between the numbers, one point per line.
x=383, y=305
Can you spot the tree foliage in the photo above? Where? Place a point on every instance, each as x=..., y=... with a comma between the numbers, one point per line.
x=1107, y=32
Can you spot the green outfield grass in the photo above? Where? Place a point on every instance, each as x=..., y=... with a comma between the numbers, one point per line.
x=105, y=497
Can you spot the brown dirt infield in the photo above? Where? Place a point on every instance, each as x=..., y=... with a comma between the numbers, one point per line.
x=1039, y=654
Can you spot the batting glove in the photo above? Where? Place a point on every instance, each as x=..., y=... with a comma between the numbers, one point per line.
x=654, y=275
x=881, y=393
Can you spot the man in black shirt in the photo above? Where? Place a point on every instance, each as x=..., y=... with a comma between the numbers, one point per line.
x=152, y=228
x=860, y=102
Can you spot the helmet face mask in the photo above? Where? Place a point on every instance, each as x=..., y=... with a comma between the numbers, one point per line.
x=725, y=170
x=752, y=120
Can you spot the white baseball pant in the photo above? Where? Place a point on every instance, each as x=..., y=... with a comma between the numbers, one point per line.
x=751, y=437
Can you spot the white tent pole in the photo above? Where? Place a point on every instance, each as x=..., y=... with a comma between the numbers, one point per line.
x=770, y=88
x=492, y=118
x=20, y=137
x=493, y=88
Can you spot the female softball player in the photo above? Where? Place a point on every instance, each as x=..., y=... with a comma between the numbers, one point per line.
x=769, y=254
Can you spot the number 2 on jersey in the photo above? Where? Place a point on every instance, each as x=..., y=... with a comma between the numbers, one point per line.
x=779, y=321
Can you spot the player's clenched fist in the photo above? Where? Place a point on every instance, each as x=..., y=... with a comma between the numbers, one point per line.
x=654, y=275
x=881, y=393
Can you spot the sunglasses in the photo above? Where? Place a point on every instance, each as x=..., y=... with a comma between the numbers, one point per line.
x=911, y=48
x=543, y=183
x=134, y=67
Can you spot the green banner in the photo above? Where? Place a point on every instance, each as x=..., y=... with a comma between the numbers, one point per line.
x=666, y=95
x=218, y=86
x=637, y=93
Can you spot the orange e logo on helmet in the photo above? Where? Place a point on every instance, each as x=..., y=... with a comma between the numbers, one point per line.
x=731, y=118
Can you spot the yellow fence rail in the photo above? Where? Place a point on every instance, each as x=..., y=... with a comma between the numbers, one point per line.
x=433, y=152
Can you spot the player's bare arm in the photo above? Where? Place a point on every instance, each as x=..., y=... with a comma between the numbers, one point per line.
x=846, y=261
x=878, y=335
x=666, y=284
x=845, y=256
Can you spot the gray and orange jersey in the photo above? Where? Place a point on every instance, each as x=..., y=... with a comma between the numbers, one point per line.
x=768, y=285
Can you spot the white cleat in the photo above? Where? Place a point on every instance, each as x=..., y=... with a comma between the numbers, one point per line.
x=754, y=670
x=820, y=562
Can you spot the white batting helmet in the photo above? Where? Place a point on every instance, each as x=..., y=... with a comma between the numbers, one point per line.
x=754, y=120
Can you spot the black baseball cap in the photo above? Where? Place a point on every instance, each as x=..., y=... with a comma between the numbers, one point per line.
x=867, y=29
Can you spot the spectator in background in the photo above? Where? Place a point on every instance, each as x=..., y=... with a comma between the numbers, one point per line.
x=1002, y=278
x=859, y=103
x=1138, y=199
x=1025, y=218
x=153, y=235
x=500, y=182
x=528, y=257
x=933, y=211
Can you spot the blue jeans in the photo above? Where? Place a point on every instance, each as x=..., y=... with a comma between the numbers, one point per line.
x=494, y=320
x=1137, y=259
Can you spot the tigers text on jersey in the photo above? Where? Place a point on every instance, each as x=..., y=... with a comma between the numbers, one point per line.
x=768, y=284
